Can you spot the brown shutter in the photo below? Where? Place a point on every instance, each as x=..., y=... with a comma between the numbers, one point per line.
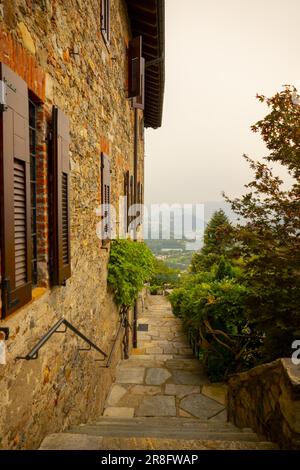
x=139, y=101
x=60, y=198
x=127, y=200
x=131, y=190
x=105, y=19
x=106, y=192
x=138, y=193
x=15, y=224
x=135, y=64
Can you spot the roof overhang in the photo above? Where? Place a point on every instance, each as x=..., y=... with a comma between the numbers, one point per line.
x=148, y=20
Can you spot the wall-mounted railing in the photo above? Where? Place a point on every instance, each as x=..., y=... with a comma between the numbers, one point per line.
x=33, y=354
x=123, y=324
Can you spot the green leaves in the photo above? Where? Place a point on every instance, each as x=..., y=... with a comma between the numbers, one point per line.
x=211, y=306
x=269, y=239
x=247, y=277
x=131, y=264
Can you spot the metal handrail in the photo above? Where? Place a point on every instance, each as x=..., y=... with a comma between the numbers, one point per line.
x=33, y=354
x=124, y=323
x=110, y=356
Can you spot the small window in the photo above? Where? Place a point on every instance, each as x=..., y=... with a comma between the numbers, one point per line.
x=105, y=20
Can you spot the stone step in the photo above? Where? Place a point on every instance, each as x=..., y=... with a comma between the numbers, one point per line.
x=69, y=441
x=163, y=423
x=176, y=428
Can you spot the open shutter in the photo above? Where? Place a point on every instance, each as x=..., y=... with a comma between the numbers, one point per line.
x=106, y=194
x=105, y=19
x=15, y=224
x=139, y=101
x=131, y=190
x=60, y=191
x=138, y=193
x=127, y=200
x=135, y=66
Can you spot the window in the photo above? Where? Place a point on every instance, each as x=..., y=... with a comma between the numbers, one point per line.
x=33, y=188
x=106, y=196
x=15, y=210
x=105, y=20
x=23, y=210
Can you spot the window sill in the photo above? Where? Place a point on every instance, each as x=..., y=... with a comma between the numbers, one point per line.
x=38, y=292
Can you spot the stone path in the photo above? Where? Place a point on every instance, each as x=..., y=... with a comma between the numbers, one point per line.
x=162, y=378
x=161, y=399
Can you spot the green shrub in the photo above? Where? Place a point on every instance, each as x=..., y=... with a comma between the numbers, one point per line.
x=131, y=264
x=163, y=274
x=154, y=290
x=213, y=314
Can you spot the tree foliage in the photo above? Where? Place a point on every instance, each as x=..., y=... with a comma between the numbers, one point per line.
x=163, y=275
x=217, y=242
x=269, y=240
x=131, y=264
x=242, y=301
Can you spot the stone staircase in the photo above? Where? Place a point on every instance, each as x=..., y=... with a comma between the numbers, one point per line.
x=161, y=399
x=156, y=433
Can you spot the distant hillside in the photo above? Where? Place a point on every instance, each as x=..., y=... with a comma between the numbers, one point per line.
x=159, y=243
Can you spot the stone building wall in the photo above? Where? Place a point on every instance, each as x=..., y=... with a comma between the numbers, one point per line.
x=267, y=399
x=57, y=48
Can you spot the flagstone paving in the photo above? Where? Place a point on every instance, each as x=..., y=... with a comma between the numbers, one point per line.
x=162, y=378
x=161, y=399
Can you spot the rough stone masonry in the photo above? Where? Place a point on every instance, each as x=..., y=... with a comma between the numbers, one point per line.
x=57, y=48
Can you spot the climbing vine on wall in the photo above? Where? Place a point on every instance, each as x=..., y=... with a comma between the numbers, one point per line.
x=131, y=264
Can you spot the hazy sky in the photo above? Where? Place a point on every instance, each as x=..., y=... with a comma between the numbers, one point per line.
x=219, y=54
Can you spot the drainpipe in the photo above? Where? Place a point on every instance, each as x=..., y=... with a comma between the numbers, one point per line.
x=135, y=197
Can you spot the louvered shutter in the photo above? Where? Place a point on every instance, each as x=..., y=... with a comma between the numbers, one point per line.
x=15, y=225
x=106, y=193
x=60, y=198
x=127, y=201
x=131, y=190
x=139, y=101
x=138, y=193
x=135, y=65
x=105, y=19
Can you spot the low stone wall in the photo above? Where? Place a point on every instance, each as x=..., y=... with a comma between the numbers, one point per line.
x=267, y=399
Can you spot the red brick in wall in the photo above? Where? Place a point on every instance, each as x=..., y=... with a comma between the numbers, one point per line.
x=20, y=61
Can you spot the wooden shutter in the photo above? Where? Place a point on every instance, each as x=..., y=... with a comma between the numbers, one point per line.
x=60, y=198
x=131, y=190
x=105, y=20
x=106, y=192
x=127, y=200
x=139, y=101
x=135, y=65
x=15, y=209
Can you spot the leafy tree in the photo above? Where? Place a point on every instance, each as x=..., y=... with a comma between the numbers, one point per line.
x=270, y=238
x=217, y=241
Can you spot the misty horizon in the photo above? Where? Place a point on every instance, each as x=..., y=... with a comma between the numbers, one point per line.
x=235, y=50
